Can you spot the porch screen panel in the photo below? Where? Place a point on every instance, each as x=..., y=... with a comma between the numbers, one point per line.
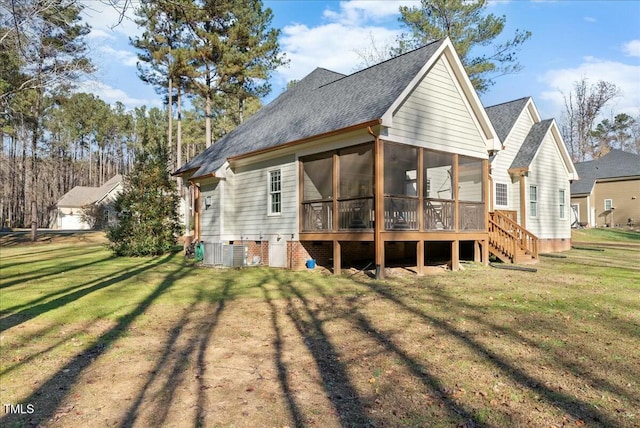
x=470, y=193
x=438, y=190
x=355, y=200
x=400, y=187
x=318, y=178
x=400, y=170
x=317, y=193
x=356, y=172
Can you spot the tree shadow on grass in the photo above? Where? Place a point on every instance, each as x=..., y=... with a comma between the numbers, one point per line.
x=28, y=306
x=281, y=367
x=34, y=256
x=575, y=367
x=327, y=366
x=31, y=312
x=173, y=368
x=577, y=408
x=49, y=396
x=58, y=269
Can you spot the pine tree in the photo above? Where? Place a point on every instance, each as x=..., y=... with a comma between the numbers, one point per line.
x=148, y=206
x=463, y=22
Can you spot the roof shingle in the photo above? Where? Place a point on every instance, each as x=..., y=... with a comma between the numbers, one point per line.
x=322, y=102
x=615, y=164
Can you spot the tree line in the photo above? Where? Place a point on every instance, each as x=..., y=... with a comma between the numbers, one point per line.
x=219, y=54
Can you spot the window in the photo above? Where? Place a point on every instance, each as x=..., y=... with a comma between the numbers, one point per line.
x=561, y=202
x=608, y=204
x=275, y=192
x=533, y=201
x=501, y=194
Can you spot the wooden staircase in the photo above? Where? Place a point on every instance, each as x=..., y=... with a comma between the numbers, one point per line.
x=511, y=242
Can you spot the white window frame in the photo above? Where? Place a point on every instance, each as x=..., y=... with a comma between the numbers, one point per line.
x=610, y=204
x=274, y=195
x=506, y=194
x=562, y=203
x=533, y=202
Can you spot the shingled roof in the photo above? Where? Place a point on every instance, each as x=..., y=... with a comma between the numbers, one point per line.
x=80, y=196
x=504, y=116
x=322, y=102
x=531, y=144
x=615, y=164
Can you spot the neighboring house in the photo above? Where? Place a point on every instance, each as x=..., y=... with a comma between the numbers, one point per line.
x=608, y=192
x=532, y=174
x=71, y=209
x=386, y=165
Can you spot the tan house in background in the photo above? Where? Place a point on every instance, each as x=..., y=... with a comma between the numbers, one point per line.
x=608, y=192
x=69, y=212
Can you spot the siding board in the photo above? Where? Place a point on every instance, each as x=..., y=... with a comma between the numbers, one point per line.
x=435, y=116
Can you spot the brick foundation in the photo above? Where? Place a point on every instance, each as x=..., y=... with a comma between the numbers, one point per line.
x=554, y=245
x=257, y=249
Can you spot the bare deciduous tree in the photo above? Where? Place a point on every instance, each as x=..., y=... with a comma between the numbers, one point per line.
x=582, y=107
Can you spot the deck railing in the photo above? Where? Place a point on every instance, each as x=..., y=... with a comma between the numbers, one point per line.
x=500, y=224
x=471, y=215
x=317, y=216
x=438, y=214
x=355, y=214
x=400, y=213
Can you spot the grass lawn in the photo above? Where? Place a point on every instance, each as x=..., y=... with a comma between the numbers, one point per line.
x=92, y=340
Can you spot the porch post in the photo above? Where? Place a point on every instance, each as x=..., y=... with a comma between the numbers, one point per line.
x=485, y=252
x=455, y=194
x=455, y=255
x=420, y=189
x=378, y=177
x=523, y=202
x=337, y=257
x=476, y=251
x=420, y=257
x=336, y=174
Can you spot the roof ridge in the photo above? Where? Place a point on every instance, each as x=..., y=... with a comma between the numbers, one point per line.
x=509, y=102
x=382, y=62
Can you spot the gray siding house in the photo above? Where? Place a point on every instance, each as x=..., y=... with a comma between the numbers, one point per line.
x=531, y=176
x=387, y=165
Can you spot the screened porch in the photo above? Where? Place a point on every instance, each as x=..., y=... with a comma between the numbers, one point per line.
x=424, y=190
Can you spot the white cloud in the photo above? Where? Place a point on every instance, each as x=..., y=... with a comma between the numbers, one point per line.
x=590, y=19
x=126, y=58
x=357, y=13
x=106, y=19
x=110, y=95
x=624, y=76
x=632, y=48
x=333, y=44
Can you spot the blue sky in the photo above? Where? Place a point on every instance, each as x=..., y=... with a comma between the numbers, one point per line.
x=571, y=40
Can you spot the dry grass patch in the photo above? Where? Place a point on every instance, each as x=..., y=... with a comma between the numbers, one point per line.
x=91, y=340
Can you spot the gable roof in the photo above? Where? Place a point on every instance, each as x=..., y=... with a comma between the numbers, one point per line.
x=321, y=103
x=531, y=144
x=615, y=164
x=80, y=196
x=504, y=116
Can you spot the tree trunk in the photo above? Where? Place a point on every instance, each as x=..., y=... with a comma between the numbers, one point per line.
x=170, y=113
x=34, y=221
x=179, y=139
